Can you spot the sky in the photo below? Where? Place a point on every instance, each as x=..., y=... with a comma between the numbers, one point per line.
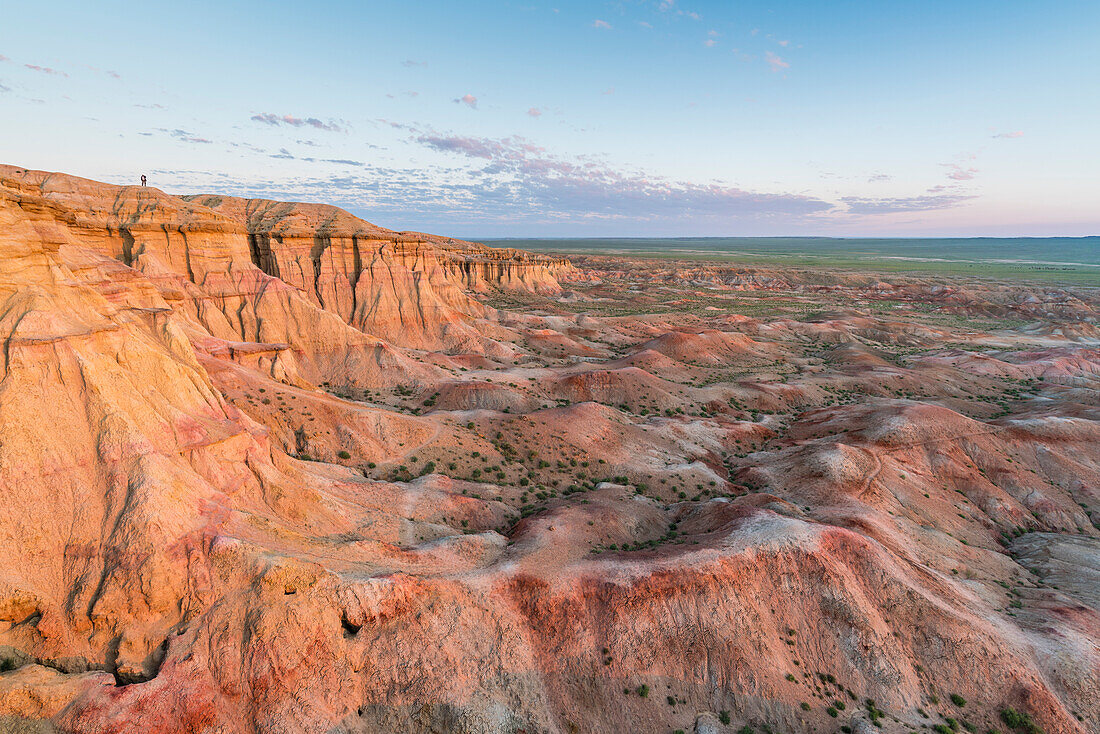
x=571, y=119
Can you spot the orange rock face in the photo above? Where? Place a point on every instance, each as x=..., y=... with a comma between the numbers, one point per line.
x=268, y=467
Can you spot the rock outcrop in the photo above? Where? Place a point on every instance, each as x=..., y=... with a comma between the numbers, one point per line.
x=267, y=467
x=275, y=273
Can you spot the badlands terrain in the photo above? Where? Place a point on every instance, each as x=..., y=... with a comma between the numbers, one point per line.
x=266, y=467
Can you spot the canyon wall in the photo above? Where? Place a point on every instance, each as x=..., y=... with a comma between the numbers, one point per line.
x=280, y=273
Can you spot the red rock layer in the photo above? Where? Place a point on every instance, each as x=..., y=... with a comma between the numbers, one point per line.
x=168, y=567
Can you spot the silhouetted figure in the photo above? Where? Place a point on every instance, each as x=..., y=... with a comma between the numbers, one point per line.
x=143, y=179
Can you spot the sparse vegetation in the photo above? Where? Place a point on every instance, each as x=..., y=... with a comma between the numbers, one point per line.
x=1020, y=721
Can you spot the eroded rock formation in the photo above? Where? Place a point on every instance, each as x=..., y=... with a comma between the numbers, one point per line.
x=267, y=467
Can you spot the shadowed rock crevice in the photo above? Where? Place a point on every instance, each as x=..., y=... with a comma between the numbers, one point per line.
x=350, y=629
x=321, y=243
x=259, y=247
x=127, y=246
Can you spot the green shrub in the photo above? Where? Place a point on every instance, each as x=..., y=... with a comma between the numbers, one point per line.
x=831, y=711
x=958, y=700
x=1019, y=720
x=874, y=712
x=643, y=690
x=344, y=455
x=724, y=717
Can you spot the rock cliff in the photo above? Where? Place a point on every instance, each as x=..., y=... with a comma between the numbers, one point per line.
x=265, y=467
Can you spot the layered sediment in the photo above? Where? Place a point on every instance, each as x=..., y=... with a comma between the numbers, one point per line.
x=267, y=467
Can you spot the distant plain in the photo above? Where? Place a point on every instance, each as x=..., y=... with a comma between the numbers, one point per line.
x=1064, y=260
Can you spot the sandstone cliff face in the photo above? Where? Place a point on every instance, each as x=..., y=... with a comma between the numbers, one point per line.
x=172, y=563
x=106, y=407
x=369, y=275
x=274, y=273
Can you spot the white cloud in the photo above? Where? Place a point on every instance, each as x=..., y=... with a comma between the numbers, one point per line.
x=775, y=61
x=955, y=172
x=520, y=175
x=45, y=70
x=269, y=118
x=929, y=202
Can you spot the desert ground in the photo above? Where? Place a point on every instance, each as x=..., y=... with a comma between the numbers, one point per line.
x=267, y=467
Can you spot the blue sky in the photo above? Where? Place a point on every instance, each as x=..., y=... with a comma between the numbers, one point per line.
x=631, y=117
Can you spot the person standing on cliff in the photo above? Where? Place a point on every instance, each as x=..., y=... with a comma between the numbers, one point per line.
x=143, y=179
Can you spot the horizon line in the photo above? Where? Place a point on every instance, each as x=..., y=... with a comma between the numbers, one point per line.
x=783, y=237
